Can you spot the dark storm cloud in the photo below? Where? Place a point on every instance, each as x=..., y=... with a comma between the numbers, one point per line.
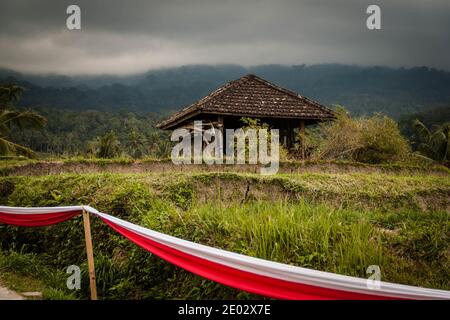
x=133, y=36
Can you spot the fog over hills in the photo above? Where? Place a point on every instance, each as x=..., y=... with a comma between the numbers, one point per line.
x=362, y=90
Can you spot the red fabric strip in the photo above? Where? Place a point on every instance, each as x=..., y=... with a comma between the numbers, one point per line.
x=36, y=219
x=243, y=280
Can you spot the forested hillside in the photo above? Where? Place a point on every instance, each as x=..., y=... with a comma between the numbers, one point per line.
x=75, y=133
x=81, y=110
x=360, y=89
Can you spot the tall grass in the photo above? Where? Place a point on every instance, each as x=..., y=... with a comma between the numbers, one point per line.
x=337, y=240
x=409, y=244
x=23, y=271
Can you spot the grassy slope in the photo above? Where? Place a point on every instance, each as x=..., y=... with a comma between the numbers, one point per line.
x=24, y=166
x=334, y=222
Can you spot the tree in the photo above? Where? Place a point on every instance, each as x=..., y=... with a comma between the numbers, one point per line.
x=9, y=94
x=136, y=144
x=163, y=149
x=11, y=119
x=159, y=144
x=435, y=144
x=109, y=146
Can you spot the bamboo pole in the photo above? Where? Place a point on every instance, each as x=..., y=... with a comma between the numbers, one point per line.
x=90, y=254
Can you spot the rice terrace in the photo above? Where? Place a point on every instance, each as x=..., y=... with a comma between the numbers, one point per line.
x=210, y=179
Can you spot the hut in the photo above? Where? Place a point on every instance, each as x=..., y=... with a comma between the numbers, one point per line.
x=253, y=97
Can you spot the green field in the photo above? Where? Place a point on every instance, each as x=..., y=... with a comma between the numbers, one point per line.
x=337, y=217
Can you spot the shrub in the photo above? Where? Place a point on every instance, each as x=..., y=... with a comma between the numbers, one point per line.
x=375, y=139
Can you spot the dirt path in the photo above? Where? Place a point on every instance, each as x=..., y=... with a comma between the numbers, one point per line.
x=6, y=294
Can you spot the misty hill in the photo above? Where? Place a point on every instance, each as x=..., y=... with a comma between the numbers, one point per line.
x=360, y=89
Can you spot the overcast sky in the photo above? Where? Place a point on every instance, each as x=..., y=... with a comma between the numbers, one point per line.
x=122, y=37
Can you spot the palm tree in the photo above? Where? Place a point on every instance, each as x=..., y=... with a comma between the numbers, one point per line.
x=435, y=144
x=109, y=146
x=17, y=119
x=9, y=94
x=135, y=144
x=163, y=149
x=11, y=119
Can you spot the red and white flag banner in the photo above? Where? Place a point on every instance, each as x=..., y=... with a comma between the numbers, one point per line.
x=37, y=217
x=246, y=273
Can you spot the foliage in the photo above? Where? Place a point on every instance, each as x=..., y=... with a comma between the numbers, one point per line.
x=11, y=120
x=26, y=271
x=435, y=144
x=364, y=90
x=430, y=117
x=135, y=144
x=136, y=131
x=9, y=94
x=257, y=124
x=70, y=133
x=374, y=139
x=106, y=146
x=410, y=245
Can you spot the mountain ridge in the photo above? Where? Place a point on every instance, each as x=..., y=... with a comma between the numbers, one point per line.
x=361, y=89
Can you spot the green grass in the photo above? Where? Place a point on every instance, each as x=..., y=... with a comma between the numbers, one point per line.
x=333, y=222
x=424, y=192
x=345, y=241
x=411, y=247
x=25, y=272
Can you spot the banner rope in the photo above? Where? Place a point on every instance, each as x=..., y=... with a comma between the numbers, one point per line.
x=255, y=275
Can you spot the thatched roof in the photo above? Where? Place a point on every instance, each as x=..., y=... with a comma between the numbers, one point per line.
x=251, y=96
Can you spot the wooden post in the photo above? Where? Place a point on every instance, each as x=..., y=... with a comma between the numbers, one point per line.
x=220, y=121
x=302, y=138
x=289, y=136
x=90, y=254
x=221, y=124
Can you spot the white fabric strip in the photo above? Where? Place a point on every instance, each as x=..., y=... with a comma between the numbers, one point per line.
x=40, y=210
x=255, y=265
x=281, y=271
